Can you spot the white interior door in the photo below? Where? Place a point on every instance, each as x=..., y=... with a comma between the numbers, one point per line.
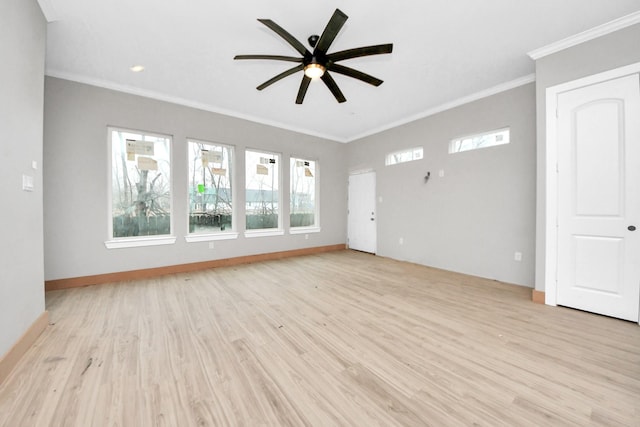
x=599, y=198
x=362, y=212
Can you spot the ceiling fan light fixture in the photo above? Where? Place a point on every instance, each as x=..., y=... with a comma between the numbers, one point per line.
x=318, y=62
x=314, y=70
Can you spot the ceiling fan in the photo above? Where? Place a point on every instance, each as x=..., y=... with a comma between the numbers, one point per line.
x=318, y=63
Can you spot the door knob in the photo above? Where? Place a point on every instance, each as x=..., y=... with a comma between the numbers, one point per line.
x=631, y=228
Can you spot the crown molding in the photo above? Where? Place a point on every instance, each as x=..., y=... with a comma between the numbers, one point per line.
x=530, y=78
x=205, y=107
x=185, y=103
x=599, y=31
x=48, y=10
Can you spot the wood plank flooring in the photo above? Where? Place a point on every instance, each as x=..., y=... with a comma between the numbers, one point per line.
x=340, y=338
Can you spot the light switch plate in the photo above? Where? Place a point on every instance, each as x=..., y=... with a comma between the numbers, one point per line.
x=27, y=182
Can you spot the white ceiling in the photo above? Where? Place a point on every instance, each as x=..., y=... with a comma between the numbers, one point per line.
x=443, y=51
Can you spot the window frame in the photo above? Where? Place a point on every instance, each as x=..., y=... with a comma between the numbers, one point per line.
x=315, y=228
x=221, y=235
x=455, y=141
x=264, y=232
x=389, y=159
x=137, y=241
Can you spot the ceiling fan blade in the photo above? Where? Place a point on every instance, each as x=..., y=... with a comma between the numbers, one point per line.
x=361, y=51
x=333, y=87
x=341, y=69
x=304, y=85
x=330, y=31
x=273, y=57
x=285, y=35
x=280, y=76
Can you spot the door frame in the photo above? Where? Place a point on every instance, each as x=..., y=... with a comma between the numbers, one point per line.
x=551, y=167
x=375, y=195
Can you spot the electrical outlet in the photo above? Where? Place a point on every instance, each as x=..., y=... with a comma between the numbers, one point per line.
x=306, y=237
x=517, y=256
x=211, y=245
x=401, y=241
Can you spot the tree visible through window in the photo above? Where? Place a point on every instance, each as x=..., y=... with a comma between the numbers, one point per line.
x=481, y=140
x=303, y=193
x=262, y=198
x=210, y=195
x=404, y=156
x=140, y=184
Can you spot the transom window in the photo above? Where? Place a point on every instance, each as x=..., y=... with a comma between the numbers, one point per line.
x=480, y=140
x=403, y=156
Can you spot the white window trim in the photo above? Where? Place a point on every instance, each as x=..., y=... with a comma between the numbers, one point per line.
x=135, y=242
x=316, y=226
x=266, y=232
x=192, y=238
x=389, y=156
x=261, y=232
x=304, y=230
x=473, y=135
x=224, y=235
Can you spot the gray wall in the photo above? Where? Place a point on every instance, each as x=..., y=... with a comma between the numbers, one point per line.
x=604, y=53
x=76, y=179
x=22, y=43
x=474, y=218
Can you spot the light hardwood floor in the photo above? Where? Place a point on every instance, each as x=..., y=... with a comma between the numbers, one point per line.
x=340, y=338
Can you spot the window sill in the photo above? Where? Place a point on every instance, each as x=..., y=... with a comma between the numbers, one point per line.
x=264, y=233
x=304, y=230
x=192, y=238
x=139, y=242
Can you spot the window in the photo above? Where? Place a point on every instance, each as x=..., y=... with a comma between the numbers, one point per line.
x=210, y=191
x=303, y=203
x=404, y=156
x=140, y=188
x=262, y=198
x=481, y=140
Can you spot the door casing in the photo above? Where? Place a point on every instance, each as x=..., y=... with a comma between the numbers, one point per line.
x=551, y=164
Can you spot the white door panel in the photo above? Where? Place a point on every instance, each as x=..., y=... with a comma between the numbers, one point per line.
x=599, y=198
x=362, y=212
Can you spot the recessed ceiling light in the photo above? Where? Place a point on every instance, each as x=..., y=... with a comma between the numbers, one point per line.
x=137, y=68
